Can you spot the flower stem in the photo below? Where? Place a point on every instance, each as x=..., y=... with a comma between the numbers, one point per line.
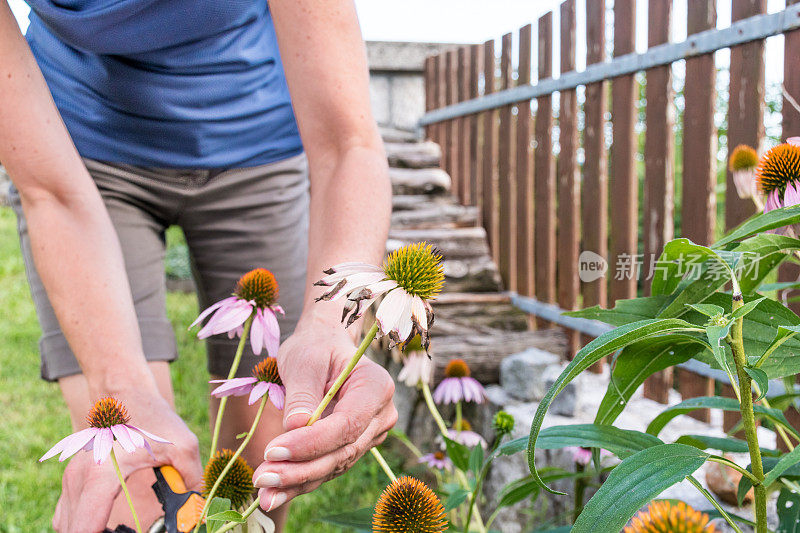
x=234, y=367
x=459, y=417
x=344, y=374
x=384, y=465
x=250, y=510
x=477, y=490
x=426, y=393
x=236, y=455
x=715, y=503
x=748, y=417
x=125, y=490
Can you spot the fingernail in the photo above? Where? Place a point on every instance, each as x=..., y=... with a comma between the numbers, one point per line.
x=277, y=453
x=299, y=411
x=268, y=479
x=278, y=499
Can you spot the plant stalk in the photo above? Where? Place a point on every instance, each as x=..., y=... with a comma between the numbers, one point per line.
x=437, y=417
x=344, y=374
x=250, y=510
x=383, y=464
x=748, y=417
x=232, y=372
x=125, y=490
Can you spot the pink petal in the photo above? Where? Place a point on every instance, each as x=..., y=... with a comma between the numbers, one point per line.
x=791, y=196
x=259, y=390
x=210, y=309
x=83, y=438
x=103, y=442
x=473, y=390
x=277, y=395
x=123, y=437
x=226, y=319
x=232, y=387
x=272, y=333
x=278, y=309
x=68, y=442
x=257, y=332
x=794, y=141
x=448, y=391
x=149, y=435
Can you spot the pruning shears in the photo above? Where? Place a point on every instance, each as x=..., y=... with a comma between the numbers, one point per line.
x=182, y=507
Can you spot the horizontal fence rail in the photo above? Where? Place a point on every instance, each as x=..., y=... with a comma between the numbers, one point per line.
x=750, y=29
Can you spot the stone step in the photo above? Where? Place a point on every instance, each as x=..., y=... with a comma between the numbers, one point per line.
x=413, y=202
x=428, y=181
x=432, y=215
x=452, y=243
x=424, y=154
x=460, y=313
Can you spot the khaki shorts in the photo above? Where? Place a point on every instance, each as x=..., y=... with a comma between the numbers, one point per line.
x=234, y=220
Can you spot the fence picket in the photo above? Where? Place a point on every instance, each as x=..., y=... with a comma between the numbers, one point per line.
x=525, y=196
x=473, y=172
x=449, y=129
x=489, y=153
x=462, y=127
x=506, y=175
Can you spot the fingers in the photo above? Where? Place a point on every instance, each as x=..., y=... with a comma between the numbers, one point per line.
x=305, y=387
x=185, y=457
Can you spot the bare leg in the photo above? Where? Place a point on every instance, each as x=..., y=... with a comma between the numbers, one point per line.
x=76, y=394
x=237, y=419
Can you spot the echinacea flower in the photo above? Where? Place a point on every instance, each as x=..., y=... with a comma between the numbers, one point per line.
x=237, y=485
x=458, y=386
x=256, y=294
x=417, y=368
x=665, y=517
x=581, y=455
x=108, y=422
x=466, y=436
x=437, y=460
x=410, y=277
x=408, y=506
x=743, y=163
x=265, y=380
x=503, y=423
x=778, y=176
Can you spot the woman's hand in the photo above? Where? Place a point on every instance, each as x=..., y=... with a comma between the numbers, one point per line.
x=302, y=459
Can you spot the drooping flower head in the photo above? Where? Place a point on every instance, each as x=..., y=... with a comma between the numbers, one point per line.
x=265, y=380
x=778, y=176
x=256, y=294
x=108, y=422
x=417, y=364
x=437, y=460
x=462, y=433
x=742, y=163
x=665, y=517
x=458, y=386
x=237, y=485
x=409, y=278
x=408, y=506
x=503, y=423
x=581, y=455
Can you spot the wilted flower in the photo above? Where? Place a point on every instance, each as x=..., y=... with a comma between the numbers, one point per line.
x=417, y=368
x=108, y=421
x=256, y=294
x=778, y=176
x=410, y=277
x=458, y=386
x=503, y=423
x=408, y=506
x=237, y=485
x=462, y=433
x=265, y=380
x=437, y=460
x=666, y=517
x=743, y=163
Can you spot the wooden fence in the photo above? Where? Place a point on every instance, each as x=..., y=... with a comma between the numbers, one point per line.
x=539, y=208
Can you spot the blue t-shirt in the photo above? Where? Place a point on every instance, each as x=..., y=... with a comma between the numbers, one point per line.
x=167, y=83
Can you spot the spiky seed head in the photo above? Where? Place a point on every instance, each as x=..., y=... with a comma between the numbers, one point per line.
x=417, y=268
x=503, y=423
x=457, y=368
x=743, y=157
x=779, y=167
x=463, y=425
x=267, y=370
x=258, y=285
x=408, y=506
x=107, y=412
x=237, y=485
x=666, y=517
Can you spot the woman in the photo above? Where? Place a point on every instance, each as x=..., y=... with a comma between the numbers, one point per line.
x=120, y=118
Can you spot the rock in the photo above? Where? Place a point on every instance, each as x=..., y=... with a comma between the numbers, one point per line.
x=563, y=404
x=425, y=154
x=453, y=243
x=521, y=374
x=724, y=481
x=436, y=215
x=419, y=181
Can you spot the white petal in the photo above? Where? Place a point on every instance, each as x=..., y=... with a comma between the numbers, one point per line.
x=391, y=310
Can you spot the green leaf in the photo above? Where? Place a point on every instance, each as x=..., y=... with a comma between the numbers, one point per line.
x=636, y=362
x=620, y=442
x=779, y=286
x=682, y=257
x=788, y=508
x=476, y=459
x=761, y=379
x=360, y=519
x=591, y=353
x=760, y=223
x=624, y=312
x=710, y=402
x=784, y=463
x=716, y=338
x=455, y=499
x=783, y=334
x=723, y=444
x=458, y=453
x=516, y=491
x=217, y=505
x=241, y=435
x=636, y=481
x=228, y=516
x=709, y=310
x=713, y=513
x=746, y=308
x=761, y=254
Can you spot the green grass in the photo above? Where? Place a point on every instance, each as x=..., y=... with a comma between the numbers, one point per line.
x=34, y=416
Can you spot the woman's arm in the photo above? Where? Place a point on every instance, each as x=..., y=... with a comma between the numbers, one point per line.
x=78, y=256
x=326, y=68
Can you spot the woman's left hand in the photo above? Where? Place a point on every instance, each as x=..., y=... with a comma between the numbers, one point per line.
x=305, y=457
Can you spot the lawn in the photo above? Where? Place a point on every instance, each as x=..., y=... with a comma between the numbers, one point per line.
x=34, y=416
